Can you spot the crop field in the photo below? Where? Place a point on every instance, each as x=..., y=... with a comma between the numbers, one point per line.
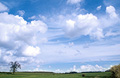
x=55, y=75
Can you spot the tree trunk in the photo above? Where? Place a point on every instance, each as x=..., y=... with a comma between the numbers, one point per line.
x=13, y=70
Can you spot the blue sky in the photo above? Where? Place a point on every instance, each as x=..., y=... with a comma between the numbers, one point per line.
x=60, y=35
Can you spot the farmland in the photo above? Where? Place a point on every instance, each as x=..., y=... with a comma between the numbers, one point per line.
x=55, y=75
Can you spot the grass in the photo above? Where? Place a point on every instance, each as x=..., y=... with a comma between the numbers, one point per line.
x=53, y=75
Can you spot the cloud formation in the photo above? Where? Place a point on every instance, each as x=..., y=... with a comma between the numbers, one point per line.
x=31, y=51
x=111, y=11
x=3, y=7
x=99, y=7
x=87, y=68
x=87, y=24
x=19, y=37
x=92, y=68
x=18, y=29
x=91, y=25
x=74, y=34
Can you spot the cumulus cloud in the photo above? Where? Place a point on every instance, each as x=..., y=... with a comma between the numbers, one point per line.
x=70, y=24
x=18, y=29
x=111, y=11
x=19, y=37
x=90, y=25
x=8, y=56
x=41, y=26
x=3, y=7
x=85, y=68
x=84, y=25
x=74, y=1
x=92, y=68
x=99, y=7
x=31, y=51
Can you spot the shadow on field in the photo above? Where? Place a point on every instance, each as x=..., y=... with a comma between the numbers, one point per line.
x=5, y=73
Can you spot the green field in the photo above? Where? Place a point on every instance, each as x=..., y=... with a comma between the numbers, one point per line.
x=53, y=75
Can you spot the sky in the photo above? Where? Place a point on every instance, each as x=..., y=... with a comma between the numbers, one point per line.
x=60, y=35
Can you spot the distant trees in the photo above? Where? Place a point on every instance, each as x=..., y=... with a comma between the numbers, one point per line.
x=115, y=71
x=14, y=66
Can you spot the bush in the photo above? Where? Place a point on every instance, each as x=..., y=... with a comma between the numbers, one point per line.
x=83, y=75
x=115, y=71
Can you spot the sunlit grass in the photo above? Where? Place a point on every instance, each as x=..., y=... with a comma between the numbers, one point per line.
x=53, y=75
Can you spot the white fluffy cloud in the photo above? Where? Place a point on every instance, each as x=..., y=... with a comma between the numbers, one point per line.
x=85, y=68
x=111, y=11
x=19, y=29
x=92, y=68
x=84, y=25
x=3, y=7
x=73, y=1
x=91, y=25
x=16, y=33
x=31, y=51
x=70, y=24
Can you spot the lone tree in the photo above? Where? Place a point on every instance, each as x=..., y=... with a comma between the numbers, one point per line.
x=115, y=71
x=14, y=66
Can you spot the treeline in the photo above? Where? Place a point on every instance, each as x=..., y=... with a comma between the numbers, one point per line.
x=6, y=72
x=36, y=72
x=92, y=72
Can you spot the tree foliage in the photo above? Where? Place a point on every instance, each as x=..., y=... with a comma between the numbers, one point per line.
x=14, y=66
x=115, y=71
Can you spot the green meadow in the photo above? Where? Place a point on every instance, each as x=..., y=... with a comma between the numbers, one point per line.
x=55, y=75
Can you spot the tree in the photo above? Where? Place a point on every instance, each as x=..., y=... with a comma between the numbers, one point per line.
x=115, y=71
x=14, y=66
